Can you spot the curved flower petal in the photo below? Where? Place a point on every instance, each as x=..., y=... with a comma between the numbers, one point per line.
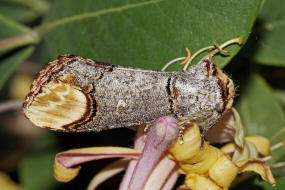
x=202, y=161
x=249, y=150
x=229, y=148
x=229, y=128
x=258, y=166
x=160, y=174
x=139, y=145
x=223, y=171
x=253, y=146
x=200, y=182
x=262, y=144
x=63, y=174
x=223, y=131
x=191, y=144
x=65, y=160
x=108, y=172
x=169, y=184
x=190, y=155
x=239, y=135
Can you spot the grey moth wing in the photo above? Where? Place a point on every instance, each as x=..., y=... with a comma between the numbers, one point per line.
x=75, y=94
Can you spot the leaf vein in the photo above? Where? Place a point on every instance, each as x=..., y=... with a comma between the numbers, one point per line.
x=51, y=25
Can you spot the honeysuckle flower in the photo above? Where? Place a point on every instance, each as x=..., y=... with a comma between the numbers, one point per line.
x=163, y=134
x=209, y=167
x=155, y=143
x=255, y=147
x=158, y=158
x=242, y=147
x=64, y=161
x=212, y=168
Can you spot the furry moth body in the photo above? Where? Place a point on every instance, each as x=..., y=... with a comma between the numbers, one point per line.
x=75, y=94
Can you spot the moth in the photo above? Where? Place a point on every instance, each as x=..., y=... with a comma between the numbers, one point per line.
x=75, y=94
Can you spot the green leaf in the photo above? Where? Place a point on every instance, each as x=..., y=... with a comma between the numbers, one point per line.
x=280, y=93
x=36, y=169
x=10, y=27
x=266, y=45
x=17, y=12
x=280, y=184
x=9, y=62
x=145, y=34
x=23, y=10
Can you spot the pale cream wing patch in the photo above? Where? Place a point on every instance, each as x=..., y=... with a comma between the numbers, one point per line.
x=57, y=105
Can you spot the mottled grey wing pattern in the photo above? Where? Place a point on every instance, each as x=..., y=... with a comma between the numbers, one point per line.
x=77, y=94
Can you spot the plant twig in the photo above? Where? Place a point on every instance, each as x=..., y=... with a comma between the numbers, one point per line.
x=10, y=105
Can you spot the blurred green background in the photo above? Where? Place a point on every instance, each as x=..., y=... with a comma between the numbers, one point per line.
x=137, y=33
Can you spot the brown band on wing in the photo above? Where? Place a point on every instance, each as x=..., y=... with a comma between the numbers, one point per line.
x=227, y=89
x=90, y=113
x=41, y=79
x=174, y=95
x=170, y=100
x=208, y=66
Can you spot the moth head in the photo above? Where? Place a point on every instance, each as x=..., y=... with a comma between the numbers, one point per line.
x=226, y=84
x=227, y=87
x=55, y=100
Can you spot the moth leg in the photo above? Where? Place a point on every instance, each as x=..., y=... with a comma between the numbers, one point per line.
x=184, y=126
x=203, y=134
x=180, y=133
x=146, y=127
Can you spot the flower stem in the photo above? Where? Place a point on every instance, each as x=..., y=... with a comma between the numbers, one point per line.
x=276, y=146
x=10, y=105
x=28, y=38
x=227, y=43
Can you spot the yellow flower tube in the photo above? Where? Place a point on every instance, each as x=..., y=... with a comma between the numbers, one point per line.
x=200, y=182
